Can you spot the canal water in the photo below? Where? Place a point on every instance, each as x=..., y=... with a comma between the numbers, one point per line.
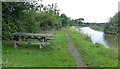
x=99, y=37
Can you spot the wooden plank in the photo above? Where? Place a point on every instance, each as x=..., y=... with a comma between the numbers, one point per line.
x=15, y=45
x=50, y=38
x=30, y=42
x=40, y=46
x=32, y=34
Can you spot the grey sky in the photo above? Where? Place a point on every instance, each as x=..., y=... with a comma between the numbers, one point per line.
x=90, y=10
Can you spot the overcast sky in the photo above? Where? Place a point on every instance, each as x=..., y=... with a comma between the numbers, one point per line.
x=90, y=10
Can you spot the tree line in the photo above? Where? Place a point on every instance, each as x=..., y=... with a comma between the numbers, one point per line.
x=32, y=17
x=113, y=27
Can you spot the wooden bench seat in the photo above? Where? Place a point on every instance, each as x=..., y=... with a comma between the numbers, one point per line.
x=50, y=38
x=22, y=42
x=31, y=42
x=22, y=37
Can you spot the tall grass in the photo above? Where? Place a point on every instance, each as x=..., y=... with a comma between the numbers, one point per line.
x=57, y=54
x=94, y=55
x=53, y=55
x=0, y=54
x=99, y=28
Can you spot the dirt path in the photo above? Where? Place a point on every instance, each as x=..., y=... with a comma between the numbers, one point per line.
x=74, y=52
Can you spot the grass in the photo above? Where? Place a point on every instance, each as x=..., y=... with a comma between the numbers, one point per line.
x=57, y=54
x=0, y=54
x=99, y=28
x=54, y=55
x=94, y=55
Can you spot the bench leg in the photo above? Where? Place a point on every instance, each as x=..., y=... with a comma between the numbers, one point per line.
x=43, y=41
x=40, y=46
x=15, y=45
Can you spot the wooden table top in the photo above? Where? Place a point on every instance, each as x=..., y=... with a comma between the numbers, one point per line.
x=32, y=34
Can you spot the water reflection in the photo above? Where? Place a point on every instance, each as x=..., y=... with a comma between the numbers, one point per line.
x=100, y=37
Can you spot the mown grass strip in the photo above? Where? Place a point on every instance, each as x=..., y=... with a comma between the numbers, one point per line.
x=0, y=54
x=94, y=55
x=54, y=55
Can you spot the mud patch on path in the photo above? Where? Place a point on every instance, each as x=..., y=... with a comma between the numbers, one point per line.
x=74, y=52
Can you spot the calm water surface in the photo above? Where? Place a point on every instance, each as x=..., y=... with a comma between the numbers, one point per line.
x=100, y=37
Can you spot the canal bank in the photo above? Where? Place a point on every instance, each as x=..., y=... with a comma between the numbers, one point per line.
x=94, y=55
x=99, y=37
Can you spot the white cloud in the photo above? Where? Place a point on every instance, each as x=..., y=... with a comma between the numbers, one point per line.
x=90, y=10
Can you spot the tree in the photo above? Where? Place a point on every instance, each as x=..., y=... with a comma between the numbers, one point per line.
x=112, y=27
x=64, y=20
x=27, y=17
x=11, y=15
x=79, y=21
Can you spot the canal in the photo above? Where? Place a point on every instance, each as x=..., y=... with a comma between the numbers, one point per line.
x=99, y=37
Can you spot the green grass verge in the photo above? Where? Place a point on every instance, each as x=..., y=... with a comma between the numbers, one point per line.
x=0, y=54
x=54, y=55
x=94, y=55
x=99, y=28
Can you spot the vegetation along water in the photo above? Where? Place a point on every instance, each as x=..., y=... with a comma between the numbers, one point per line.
x=31, y=17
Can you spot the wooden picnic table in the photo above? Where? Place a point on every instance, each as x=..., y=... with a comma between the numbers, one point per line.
x=21, y=37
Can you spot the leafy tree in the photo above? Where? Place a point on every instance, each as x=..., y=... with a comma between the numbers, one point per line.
x=28, y=17
x=64, y=20
x=72, y=23
x=11, y=13
x=112, y=26
x=31, y=17
x=79, y=21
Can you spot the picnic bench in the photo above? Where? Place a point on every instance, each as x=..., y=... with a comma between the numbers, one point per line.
x=22, y=38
